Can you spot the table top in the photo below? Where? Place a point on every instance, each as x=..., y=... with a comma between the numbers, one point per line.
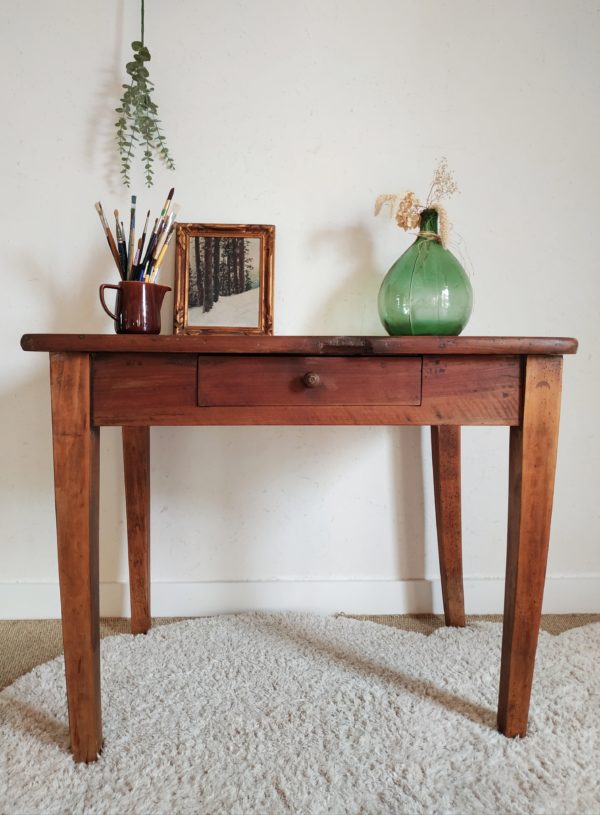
x=310, y=345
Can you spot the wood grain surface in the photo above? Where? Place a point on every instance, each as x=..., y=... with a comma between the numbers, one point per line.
x=532, y=462
x=162, y=389
x=76, y=485
x=312, y=345
x=141, y=381
x=244, y=381
x=445, y=449
x=136, y=461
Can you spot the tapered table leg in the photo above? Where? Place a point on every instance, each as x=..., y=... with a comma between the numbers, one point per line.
x=136, y=457
x=445, y=447
x=76, y=479
x=531, y=485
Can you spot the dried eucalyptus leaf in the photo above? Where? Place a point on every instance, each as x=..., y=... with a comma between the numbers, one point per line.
x=138, y=121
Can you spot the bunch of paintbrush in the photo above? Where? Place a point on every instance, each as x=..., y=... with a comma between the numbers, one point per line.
x=142, y=261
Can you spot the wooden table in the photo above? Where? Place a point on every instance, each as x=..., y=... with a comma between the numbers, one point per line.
x=444, y=382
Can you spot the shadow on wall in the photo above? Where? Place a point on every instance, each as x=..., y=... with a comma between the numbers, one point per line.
x=289, y=503
x=100, y=139
x=410, y=509
x=74, y=307
x=226, y=514
x=352, y=308
x=70, y=304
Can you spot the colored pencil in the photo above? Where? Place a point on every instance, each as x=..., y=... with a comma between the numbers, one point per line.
x=111, y=241
x=131, y=250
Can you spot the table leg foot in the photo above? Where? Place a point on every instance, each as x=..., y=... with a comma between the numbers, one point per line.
x=531, y=485
x=445, y=447
x=136, y=458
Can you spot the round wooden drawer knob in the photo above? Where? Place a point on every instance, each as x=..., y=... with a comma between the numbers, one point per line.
x=311, y=380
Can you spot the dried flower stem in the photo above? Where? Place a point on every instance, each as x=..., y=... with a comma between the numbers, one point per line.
x=407, y=209
x=443, y=184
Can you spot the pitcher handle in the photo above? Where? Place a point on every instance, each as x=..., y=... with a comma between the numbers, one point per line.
x=104, y=306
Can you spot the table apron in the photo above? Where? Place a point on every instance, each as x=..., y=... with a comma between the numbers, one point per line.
x=145, y=389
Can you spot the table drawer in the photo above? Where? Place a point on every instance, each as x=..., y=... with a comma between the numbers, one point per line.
x=302, y=380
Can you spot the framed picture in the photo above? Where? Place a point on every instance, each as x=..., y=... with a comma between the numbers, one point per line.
x=224, y=279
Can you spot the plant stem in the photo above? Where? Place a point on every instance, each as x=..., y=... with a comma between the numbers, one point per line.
x=133, y=130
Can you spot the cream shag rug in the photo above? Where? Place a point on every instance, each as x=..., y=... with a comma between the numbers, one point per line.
x=297, y=713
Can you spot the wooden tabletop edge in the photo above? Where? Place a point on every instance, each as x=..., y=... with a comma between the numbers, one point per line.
x=309, y=344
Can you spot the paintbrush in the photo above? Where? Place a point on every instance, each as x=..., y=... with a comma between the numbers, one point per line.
x=168, y=200
x=161, y=255
x=131, y=250
x=149, y=248
x=122, y=245
x=140, y=247
x=109, y=237
x=162, y=220
x=163, y=236
x=159, y=225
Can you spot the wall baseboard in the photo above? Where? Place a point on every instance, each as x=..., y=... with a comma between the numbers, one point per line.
x=574, y=594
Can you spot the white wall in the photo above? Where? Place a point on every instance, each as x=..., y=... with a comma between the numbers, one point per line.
x=299, y=114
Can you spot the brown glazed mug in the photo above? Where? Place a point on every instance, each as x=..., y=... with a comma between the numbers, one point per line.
x=137, y=306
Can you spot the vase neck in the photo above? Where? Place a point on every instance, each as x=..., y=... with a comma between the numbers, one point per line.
x=429, y=221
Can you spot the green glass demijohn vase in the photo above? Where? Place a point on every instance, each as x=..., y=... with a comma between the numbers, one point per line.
x=426, y=291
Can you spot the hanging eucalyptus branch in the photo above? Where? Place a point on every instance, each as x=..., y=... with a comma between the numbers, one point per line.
x=138, y=122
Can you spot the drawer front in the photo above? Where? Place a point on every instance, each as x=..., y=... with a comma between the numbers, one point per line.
x=296, y=380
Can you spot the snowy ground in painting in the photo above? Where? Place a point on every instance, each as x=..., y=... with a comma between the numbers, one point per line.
x=235, y=310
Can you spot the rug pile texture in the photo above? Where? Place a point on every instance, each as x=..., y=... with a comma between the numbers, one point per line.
x=260, y=714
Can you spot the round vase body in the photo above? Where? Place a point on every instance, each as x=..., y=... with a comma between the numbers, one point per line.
x=426, y=291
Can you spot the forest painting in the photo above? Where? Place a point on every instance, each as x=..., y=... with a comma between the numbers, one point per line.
x=224, y=278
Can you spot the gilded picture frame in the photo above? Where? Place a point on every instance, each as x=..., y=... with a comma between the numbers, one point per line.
x=224, y=279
